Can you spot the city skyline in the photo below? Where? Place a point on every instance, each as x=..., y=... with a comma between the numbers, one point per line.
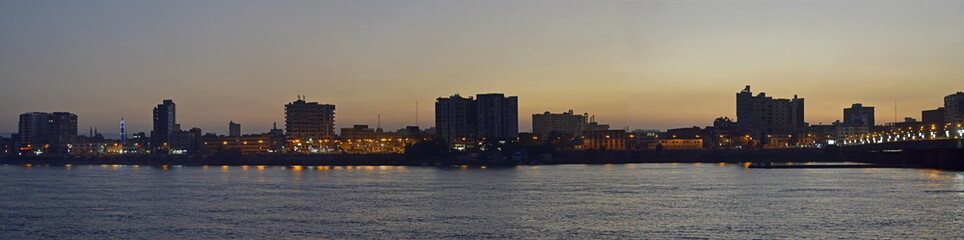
x=646, y=64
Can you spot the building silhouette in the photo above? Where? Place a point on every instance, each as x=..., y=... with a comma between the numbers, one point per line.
x=498, y=116
x=234, y=129
x=760, y=114
x=47, y=132
x=309, y=121
x=165, y=124
x=934, y=116
x=455, y=118
x=562, y=124
x=491, y=116
x=954, y=107
x=859, y=115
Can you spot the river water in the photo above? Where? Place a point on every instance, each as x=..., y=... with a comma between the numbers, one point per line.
x=632, y=201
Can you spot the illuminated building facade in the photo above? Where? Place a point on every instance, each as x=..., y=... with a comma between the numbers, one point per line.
x=604, y=140
x=681, y=144
x=360, y=139
x=248, y=144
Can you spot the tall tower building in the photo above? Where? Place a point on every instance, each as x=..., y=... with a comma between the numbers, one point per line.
x=455, y=118
x=309, y=120
x=859, y=115
x=796, y=115
x=165, y=124
x=761, y=114
x=498, y=116
x=234, y=129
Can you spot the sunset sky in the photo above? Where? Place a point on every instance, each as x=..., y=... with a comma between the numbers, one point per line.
x=636, y=64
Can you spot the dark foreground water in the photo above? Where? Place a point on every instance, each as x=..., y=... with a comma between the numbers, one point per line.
x=671, y=201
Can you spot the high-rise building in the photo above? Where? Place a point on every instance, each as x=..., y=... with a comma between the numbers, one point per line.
x=165, y=124
x=859, y=115
x=234, y=129
x=490, y=115
x=48, y=132
x=306, y=121
x=954, y=107
x=565, y=123
x=498, y=116
x=765, y=115
x=456, y=118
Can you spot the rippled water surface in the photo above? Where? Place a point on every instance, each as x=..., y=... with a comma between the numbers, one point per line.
x=669, y=201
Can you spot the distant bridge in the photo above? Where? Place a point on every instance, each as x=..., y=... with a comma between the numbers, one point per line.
x=934, y=153
x=913, y=133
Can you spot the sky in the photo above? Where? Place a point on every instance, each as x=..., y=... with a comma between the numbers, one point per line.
x=635, y=64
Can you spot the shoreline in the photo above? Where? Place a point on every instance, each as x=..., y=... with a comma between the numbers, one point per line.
x=556, y=158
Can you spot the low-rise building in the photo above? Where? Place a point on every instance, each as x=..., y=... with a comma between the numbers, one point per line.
x=246, y=144
x=604, y=140
x=681, y=144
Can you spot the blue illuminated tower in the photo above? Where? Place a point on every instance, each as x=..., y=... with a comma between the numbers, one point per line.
x=123, y=135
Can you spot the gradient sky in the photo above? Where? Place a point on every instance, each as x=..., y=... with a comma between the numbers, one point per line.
x=636, y=64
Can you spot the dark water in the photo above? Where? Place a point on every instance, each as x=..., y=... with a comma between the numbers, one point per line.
x=668, y=201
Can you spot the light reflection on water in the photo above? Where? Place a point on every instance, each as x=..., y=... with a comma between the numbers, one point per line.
x=670, y=201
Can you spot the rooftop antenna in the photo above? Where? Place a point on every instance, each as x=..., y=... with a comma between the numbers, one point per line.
x=379, y=122
x=895, y=111
x=416, y=113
